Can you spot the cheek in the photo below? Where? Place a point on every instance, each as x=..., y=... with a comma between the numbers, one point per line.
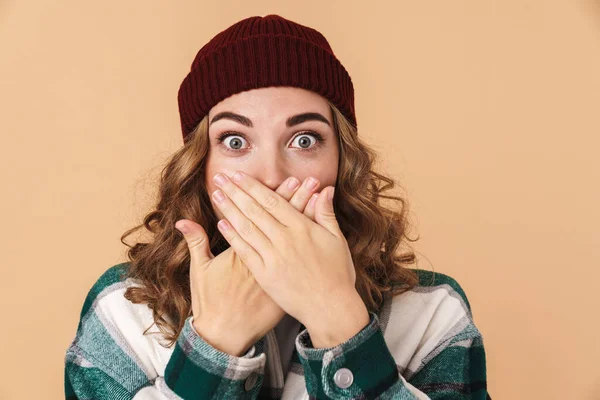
x=208, y=182
x=211, y=170
x=328, y=170
x=210, y=189
x=327, y=174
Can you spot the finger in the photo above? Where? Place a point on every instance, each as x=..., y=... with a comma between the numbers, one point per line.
x=244, y=251
x=280, y=210
x=302, y=196
x=250, y=207
x=244, y=226
x=325, y=214
x=197, y=241
x=288, y=188
x=298, y=196
x=309, y=211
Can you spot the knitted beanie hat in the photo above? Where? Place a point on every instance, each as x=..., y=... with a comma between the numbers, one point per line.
x=259, y=52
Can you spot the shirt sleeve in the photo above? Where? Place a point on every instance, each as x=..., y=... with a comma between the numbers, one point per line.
x=363, y=367
x=198, y=370
x=98, y=367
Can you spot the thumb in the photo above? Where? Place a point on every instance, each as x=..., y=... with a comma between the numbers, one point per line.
x=197, y=241
x=324, y=212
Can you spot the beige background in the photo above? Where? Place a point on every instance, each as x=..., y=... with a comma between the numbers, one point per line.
x=487, y=111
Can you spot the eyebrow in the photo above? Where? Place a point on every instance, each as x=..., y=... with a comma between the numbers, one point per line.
x=291, y=121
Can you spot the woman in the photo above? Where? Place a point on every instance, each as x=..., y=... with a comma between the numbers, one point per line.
x=259, y=281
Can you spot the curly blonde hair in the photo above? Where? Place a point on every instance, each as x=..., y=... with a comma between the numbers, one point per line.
x=373, y=231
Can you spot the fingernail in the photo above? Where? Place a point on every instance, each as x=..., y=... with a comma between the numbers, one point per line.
x=218, y=196
x=183, y=228
x=330, y=194
x=219, y=179
x=237, y=177
x=311, y=183
x=223, y=225
x=293, y=183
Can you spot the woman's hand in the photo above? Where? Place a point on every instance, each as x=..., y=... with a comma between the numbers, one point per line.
x=231, y=311
x=306, y=267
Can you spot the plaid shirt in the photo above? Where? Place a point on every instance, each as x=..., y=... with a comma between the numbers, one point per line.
x=421, y=344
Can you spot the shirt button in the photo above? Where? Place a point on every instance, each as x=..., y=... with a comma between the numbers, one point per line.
x=343, y=378
x=250, y=381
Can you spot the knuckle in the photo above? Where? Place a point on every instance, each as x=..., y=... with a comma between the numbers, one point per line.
x=249, y=186
x=271, y=202
x=247, y=228
x=196, y=242
x=328, y=214
x=255, y=210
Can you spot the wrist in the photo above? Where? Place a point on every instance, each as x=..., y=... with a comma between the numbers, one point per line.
x=345, y=321
x=234, y=346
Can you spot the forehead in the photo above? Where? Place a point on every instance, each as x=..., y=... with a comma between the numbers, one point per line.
x=271, y=102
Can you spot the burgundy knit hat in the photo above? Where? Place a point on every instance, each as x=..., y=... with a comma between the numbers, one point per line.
x=258, y=52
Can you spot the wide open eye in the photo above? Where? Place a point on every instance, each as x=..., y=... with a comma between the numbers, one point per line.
x=305, y=143
x=234, y=142
x=231, y=141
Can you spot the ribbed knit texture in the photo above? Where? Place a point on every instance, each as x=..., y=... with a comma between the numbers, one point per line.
x=260, y=52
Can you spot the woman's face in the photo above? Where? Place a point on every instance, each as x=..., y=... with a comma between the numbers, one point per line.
x=271, y=134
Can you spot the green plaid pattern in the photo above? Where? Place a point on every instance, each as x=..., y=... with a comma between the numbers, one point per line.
x=101, y=364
